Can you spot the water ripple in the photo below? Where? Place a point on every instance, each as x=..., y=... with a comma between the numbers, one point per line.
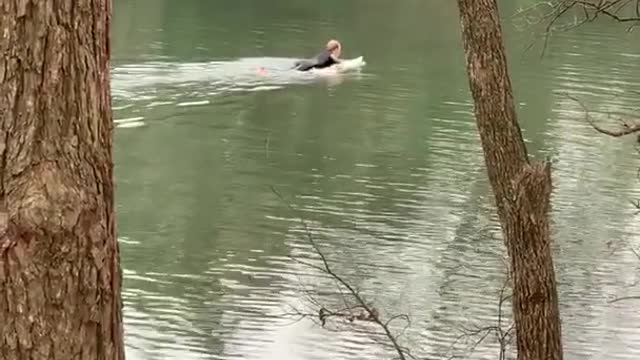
x=389, y=177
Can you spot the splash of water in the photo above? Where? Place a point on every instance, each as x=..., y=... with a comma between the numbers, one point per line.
x=151, y=84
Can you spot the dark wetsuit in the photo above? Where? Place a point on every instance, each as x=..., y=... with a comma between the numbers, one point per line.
x=322, y=60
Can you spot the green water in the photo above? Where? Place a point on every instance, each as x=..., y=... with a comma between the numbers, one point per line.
x=384, y=164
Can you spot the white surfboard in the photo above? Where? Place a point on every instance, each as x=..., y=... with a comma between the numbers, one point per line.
x=346, y=65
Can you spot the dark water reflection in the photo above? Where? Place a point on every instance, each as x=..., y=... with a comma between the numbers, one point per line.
x=384, y=165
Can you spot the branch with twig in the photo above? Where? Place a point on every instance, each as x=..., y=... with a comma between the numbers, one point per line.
x=626, y=127
x=625, y=298
x=549, y=13
x=618, y=10
x=503, y=336
x=356, y=308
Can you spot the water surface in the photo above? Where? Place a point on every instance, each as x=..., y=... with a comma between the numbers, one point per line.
x=384, y=165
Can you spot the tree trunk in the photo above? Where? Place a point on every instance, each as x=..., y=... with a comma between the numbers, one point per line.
x=59, y=262
x=522, y=190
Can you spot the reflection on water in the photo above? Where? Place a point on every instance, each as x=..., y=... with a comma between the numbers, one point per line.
x=384, y=165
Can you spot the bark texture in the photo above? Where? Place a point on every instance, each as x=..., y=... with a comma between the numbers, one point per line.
x=522, y=189
x=60, y=276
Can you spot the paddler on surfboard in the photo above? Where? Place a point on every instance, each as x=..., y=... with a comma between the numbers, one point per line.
x=327, y=57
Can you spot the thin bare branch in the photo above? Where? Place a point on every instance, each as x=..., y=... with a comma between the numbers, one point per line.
x=634, y=251
x=610, y=8
x=627, y=128
x=503, y=336
x=549, y=14
x=367, y=312
x=313, y=266
x=400, y=316
x=624, y=298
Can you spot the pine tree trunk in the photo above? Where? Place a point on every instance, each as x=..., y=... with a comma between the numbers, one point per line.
x=59, y=262
x=522, y=189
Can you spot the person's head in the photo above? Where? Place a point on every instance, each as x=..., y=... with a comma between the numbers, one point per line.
x=335, y=47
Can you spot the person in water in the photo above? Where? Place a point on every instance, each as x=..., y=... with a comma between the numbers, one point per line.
x=329, y=56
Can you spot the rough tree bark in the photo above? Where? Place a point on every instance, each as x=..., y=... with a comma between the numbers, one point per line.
x=59, y=261
x=522, y=189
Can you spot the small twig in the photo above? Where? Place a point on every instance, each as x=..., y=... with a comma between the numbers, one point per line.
x=266, y=146
x=316, y=267
x=624, y=298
